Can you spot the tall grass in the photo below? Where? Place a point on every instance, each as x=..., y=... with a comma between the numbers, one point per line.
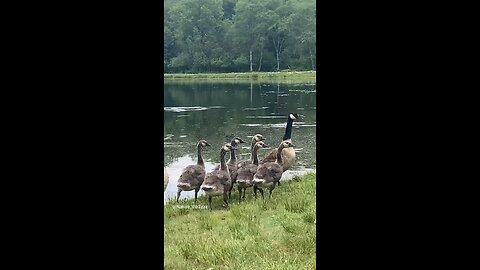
x=278, y=233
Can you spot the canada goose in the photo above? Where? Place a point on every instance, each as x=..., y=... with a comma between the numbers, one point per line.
x=268, y=174
x=288, y=155
x=165, y=178
x=245, y=174
x=219, y=182
x=193, y=175
x=232, y=162
x=256, y=138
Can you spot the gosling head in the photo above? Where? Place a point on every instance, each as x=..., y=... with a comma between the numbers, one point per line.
x=228, y=147
x=287, y=144
x=236, y=141
x=258, y=137
x=203, y=143
x=260, y=144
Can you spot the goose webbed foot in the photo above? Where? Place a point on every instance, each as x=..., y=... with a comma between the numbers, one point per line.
x=210, y=202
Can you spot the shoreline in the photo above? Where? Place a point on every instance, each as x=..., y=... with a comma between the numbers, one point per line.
x=307, y=76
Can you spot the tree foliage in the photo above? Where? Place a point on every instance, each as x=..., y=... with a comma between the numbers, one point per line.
x=239, y=35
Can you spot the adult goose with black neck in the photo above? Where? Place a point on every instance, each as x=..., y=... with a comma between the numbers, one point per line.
x=288, y=154
x=193, y=175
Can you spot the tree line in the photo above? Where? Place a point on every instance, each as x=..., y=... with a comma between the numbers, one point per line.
x=239, y=35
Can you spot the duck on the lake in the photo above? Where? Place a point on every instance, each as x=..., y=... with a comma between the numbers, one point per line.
x=193, y=175
x=218, y=182
x=268, y=174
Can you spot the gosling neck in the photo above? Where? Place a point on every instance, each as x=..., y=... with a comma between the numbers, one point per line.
x=255, y=156
x=253, y=144
x=200, y=157
x=279, y=154
x=223, y=166
x=233, y=157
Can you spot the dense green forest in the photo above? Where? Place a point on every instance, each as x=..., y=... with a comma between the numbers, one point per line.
x=239, y=35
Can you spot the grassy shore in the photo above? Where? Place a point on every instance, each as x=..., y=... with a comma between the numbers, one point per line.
x=300, y=76
x=278, y=233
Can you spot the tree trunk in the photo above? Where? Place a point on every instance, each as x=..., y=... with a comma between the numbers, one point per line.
x=278, y=47
x=251, y=92
x=261, y=57
x=278, y=61
x=251, y=58
x=311, y=59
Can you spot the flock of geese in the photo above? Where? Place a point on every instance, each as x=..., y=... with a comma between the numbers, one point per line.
x=255, y=173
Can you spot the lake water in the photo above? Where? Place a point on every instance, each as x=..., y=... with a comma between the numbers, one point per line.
x=217, y=112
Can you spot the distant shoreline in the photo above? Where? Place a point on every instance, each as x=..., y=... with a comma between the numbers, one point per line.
x=300, y=76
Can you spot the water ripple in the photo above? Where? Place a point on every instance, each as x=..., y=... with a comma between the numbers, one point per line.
x=184, y=109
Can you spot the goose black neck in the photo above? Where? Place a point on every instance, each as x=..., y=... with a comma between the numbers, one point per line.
x=288, y=129
x=199, y=154
x=279, y=154
x=222, y=160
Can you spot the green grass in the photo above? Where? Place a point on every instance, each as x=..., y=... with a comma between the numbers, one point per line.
x=276, y=234
x=284, y=76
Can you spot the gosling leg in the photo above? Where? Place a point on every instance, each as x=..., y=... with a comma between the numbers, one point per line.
x=196, y=193
x=178, y=194
x=225, y=199
x=239, y=194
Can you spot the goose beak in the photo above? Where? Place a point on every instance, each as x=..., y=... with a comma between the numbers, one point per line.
x=301, y=117
x=264, y=145
x=207, y=144
x=241, y=141
x=293, y=145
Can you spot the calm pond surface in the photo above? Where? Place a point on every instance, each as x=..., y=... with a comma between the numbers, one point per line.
x=217, y=112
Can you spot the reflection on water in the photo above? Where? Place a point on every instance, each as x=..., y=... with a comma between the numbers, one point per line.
x=217, y=112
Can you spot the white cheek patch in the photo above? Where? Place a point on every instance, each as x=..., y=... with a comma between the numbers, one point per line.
x=225, y=148
x=292, y=116
x=237, y=141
